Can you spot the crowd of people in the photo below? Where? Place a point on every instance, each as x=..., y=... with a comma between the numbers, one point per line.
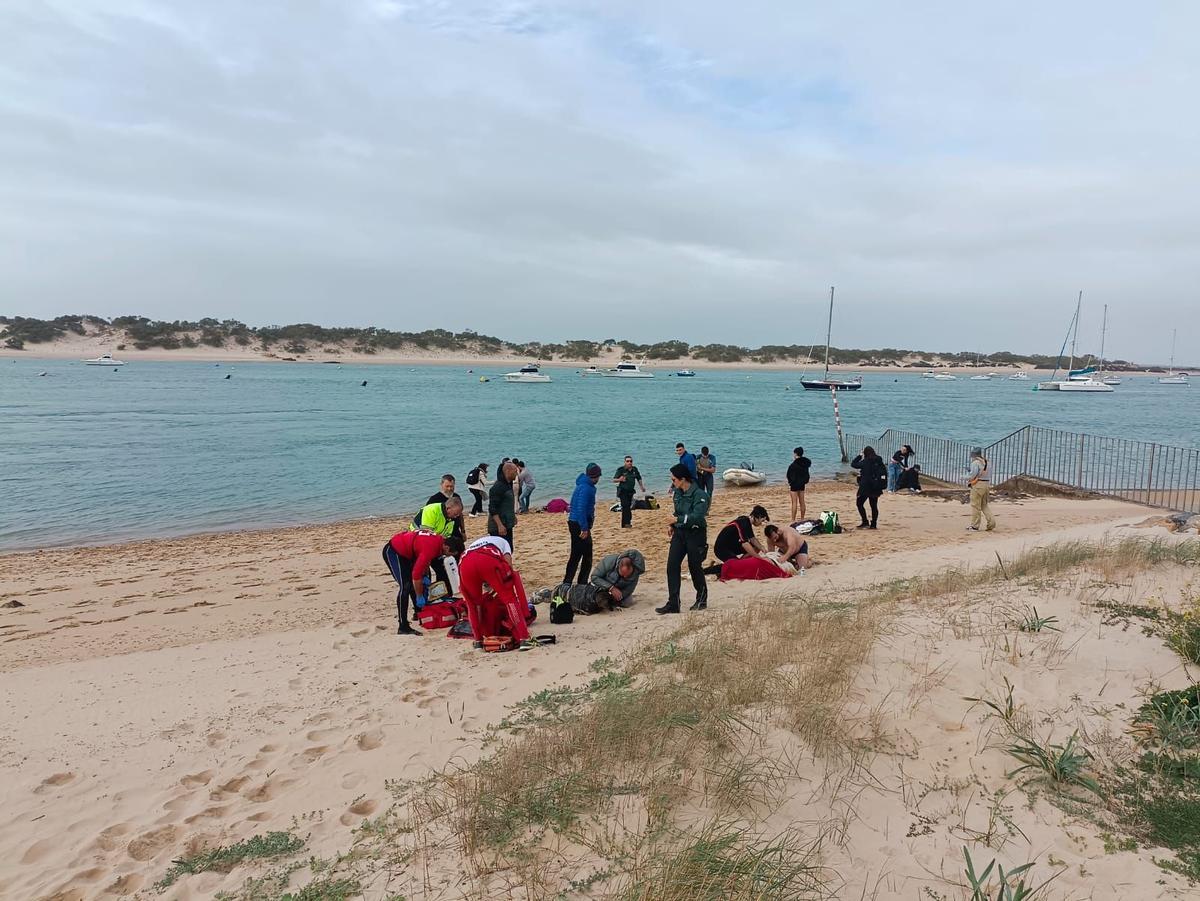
x=434, y=546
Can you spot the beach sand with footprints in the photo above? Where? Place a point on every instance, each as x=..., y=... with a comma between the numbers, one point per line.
x=164, y=697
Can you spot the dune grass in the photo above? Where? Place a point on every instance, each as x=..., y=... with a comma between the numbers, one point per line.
x=223, y=859
x=596, y=780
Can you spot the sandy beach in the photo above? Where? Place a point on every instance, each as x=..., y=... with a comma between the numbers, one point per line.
x=78, y=347
x=162, y=697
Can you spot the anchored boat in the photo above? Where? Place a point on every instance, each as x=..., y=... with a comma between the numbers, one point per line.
x=825, y=383
x=530, y=373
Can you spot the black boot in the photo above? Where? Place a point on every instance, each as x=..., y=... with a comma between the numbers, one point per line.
x=669, y=607
x=407, y=629
x=699, y=605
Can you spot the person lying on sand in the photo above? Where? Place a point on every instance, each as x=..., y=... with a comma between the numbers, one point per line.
x=792, y=548
x=617, y=576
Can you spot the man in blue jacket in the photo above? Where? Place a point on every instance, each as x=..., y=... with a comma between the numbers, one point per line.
x=579, y=523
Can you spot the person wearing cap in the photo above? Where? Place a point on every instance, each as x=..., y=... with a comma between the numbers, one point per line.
x=580, y=521
x=980, y=480
x=689, y=538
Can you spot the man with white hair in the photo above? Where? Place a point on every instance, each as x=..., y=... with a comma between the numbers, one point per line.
x=980, y=480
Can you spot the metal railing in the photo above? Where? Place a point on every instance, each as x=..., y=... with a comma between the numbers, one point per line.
x=1158, y=475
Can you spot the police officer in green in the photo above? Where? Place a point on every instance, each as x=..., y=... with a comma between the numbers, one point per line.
x=689, y=538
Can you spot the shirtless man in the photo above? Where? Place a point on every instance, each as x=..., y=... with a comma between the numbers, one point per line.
x=791, y=546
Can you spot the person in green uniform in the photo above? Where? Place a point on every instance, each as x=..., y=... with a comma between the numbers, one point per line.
x=625, y=479
x=689, y=538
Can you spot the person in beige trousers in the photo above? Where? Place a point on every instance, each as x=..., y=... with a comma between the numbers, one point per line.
x=980, y=481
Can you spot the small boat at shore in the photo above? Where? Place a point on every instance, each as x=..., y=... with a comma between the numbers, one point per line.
x=945, y=377
x=530, y=373
x=104, y=360
x=1019, y=377
x=686, y=374
x=591, y=370
x=981, y=378
x=743, y=476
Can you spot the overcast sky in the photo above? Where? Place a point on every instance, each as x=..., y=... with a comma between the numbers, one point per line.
x=544, y=170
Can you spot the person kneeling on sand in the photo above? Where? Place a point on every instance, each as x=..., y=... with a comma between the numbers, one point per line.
x=489, y=588
x=616, y=576
x=408, y=557
x=792, y=547
x=441, y=517
x=737, y=539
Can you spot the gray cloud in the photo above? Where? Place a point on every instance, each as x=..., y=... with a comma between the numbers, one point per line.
x=560, y=169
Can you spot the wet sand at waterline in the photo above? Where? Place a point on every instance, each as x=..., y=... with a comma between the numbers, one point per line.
x=161, y=697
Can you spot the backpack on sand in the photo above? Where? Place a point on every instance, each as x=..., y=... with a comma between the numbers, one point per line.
x=829, y=522
x=561, y=611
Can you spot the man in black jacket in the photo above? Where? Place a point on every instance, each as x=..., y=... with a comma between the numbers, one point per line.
x=797, y=478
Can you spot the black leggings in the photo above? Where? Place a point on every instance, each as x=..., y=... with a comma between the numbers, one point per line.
x=581, y=554
x=478, y=506
x=401, y=570
x=692, y=545
x=874, y=499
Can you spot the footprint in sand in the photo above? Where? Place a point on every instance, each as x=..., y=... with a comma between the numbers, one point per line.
x=320, y=734
x=369, y=741
x=195, y=780
x=359, y=633
x=310, y=755
x=483, y=694
x=268, y=791
x=353, y=780
x=126, y=885
x=150, y=844
x=214, y=738
x=268, y=749
x=53, y=782
x=95, y=874
x=233, y=785
x=38, y=850
x=209, y=813
x=357, y=811
x=113, y=837
x=261, y=817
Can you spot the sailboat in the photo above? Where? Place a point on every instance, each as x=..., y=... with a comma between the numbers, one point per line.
x=1077, y=381
x=1173, y=378
x=825, y=383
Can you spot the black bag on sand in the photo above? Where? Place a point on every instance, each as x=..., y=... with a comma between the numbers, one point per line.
x=561, y=611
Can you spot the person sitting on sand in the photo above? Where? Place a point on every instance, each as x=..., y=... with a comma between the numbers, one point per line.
x=737, y=538
x=489, y=588
x=792, y=547
x=408, y=556
x=617, y=576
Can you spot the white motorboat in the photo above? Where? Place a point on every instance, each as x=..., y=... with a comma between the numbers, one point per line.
x=929, y=374
x=530, y=373
x=743, y=476
x=1111, y=380
x=591, y=370
x=1078, y=381
x=686, y=373
x=945, y=377
x=825, y=383
x=104, y=360
x=1019, y=377
x=629, y=371
x=1172, y=377
x=981, y=378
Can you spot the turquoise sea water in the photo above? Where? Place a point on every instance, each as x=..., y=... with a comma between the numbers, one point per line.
x=92, y=454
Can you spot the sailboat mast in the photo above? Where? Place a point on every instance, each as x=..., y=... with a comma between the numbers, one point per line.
x=829, y=333
x=1103, y=332
x=1075, y=333
x=1174, y=335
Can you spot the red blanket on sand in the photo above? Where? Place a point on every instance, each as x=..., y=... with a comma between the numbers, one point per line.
x=750, y=569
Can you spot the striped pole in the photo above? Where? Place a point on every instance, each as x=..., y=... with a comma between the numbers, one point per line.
x=837, y=421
